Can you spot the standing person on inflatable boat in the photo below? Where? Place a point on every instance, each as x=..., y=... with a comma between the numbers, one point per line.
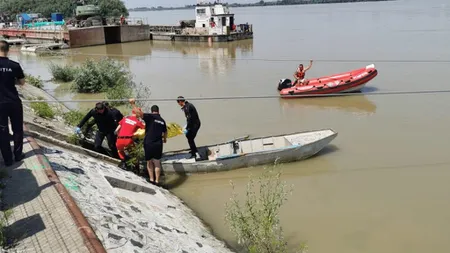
x=299, y=75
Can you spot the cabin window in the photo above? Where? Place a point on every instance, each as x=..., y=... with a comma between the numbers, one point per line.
x=201, y=11
x=224, y=21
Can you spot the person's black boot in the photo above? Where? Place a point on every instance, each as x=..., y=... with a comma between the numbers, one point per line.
x=19, y=158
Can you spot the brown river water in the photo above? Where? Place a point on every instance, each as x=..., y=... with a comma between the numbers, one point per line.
x=383, y=183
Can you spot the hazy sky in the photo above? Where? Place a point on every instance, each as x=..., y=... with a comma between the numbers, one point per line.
x=150, y=3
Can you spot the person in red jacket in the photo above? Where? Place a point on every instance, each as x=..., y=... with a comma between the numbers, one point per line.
x=127, y=127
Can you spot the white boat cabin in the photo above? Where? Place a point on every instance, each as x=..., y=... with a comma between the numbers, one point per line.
x=215, y=17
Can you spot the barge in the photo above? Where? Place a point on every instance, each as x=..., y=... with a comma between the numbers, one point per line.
x=214, y=23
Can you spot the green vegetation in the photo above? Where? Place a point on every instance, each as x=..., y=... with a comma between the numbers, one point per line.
x=66, y=7
x=63, y=73
x=3, y=222
x=43, y=109
x=104, y=76
x=35, y=81
x=72, y=118
x=94, y=77
x=255, y=223
x=136, y=153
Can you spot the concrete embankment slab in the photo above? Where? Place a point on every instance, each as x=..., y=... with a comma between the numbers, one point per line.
x=127, y=213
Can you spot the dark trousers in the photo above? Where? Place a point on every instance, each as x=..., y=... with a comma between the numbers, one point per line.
x=111, y=138
x=191, y=134
x=13, y=112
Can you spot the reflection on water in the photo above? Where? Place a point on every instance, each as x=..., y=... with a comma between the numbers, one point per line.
x=357, y=104
x=213, y=58
x=121, y=52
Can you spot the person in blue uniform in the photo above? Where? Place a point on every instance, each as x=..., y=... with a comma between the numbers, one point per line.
x=106, y=124
x=11, y=109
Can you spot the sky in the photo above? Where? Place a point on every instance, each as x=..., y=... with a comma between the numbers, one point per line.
x=171, y=3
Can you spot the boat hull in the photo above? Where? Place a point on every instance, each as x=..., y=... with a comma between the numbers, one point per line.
x=352, y=81
x=282, y=155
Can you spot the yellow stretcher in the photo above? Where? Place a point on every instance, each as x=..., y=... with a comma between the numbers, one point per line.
x=173, y=129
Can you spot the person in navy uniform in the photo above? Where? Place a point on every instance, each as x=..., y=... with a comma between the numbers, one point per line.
x=155, y=137
x=118, y=116
x=192, y=126
x=106, y=124
x=11, y=73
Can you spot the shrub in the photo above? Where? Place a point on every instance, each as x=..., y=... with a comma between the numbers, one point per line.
x=35, y=81
x=255, y=223
x=64, y=73
x=118, y=92
x=136, y=153
x=42, y=109
x=94, y=77
x=74, y=139
x=72, y=118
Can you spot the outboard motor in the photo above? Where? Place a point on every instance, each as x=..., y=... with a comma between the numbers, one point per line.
x=284, y=83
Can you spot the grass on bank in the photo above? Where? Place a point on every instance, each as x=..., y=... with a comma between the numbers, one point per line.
x=4, y=216
x=255, y=222
x=35, y=81
x=43, y=109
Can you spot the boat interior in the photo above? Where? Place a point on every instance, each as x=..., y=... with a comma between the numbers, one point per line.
x=240, y=147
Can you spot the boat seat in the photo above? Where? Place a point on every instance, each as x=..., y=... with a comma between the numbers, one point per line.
x=281, y=142
x=257, y=145
x=225, y=150
x=268, y=143
x=246, y=147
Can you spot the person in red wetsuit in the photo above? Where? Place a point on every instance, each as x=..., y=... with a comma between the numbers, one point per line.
x=127, y=127
x=299, y=75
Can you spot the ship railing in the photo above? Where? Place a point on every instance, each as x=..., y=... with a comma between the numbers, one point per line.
x=137, y=21
x=165, y=29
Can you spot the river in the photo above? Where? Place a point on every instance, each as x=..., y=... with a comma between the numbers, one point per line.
x=382, y=185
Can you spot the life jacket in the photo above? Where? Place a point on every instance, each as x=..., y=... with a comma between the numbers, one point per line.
x=300, y=74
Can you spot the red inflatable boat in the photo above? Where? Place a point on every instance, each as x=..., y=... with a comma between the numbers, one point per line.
x=351, y=81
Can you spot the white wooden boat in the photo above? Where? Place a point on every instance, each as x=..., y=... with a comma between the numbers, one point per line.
x=243, y=153
x=38, y=48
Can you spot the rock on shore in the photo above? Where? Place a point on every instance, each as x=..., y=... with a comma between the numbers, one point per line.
x=127, y=213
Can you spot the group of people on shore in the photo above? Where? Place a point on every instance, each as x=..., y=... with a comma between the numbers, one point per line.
x=111, y=124
x=119, y=130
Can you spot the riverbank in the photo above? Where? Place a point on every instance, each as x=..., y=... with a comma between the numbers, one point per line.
x=127, y=213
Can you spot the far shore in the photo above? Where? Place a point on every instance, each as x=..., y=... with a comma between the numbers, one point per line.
x=258, y=4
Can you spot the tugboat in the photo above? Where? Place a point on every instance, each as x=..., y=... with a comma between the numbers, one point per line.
x=213, y=23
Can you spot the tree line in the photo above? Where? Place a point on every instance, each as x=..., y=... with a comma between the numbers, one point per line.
x=10, y=8
x=259, y=3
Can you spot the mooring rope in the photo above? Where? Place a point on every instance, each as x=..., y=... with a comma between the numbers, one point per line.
x=246, y=97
